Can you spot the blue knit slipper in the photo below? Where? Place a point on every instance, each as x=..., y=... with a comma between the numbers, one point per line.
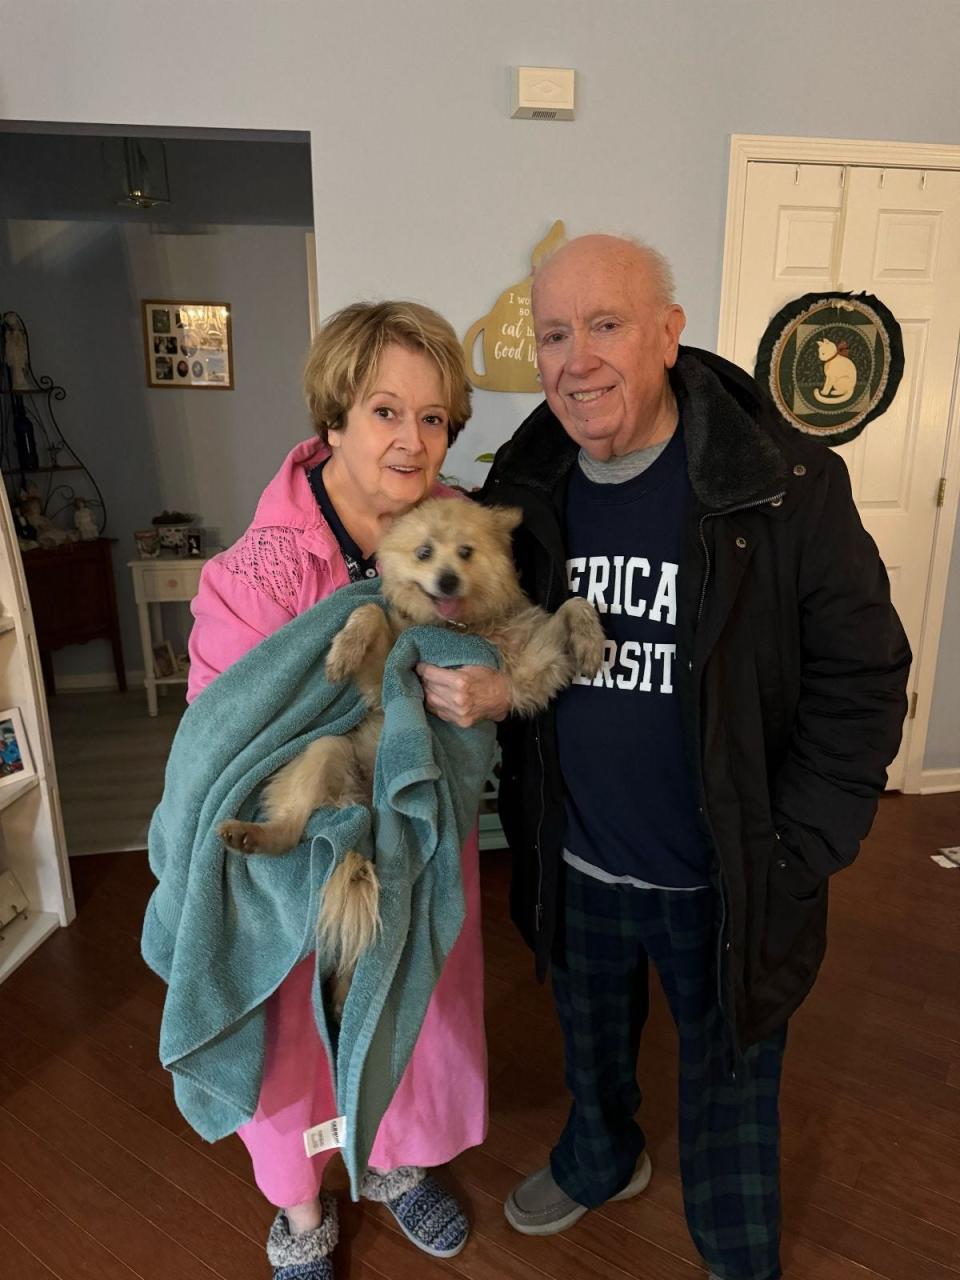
x=305, y=1256
x=319, y=1269
x=428, y=1216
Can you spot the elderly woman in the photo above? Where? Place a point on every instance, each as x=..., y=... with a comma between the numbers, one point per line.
x=388, y=394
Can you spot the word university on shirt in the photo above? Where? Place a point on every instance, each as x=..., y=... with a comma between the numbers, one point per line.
x=621, y=588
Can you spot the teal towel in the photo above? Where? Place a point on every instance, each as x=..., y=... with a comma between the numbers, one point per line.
x=223, y=929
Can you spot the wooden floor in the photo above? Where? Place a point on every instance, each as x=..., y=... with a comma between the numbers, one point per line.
x=110, y=758
x=99, y=1177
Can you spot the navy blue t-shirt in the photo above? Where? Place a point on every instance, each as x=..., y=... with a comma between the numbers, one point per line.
x=630, y=800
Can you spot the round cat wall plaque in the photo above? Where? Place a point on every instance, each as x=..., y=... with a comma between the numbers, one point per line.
x=832, y=362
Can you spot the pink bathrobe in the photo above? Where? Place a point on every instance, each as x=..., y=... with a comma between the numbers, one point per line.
x=286, y=561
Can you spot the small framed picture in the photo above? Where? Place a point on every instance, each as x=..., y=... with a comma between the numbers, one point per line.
x=188, y=345
x=195, y=543
x=164, y=660
x=15, y=758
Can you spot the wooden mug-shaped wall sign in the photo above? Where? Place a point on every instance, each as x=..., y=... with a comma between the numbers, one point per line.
x=509, y=345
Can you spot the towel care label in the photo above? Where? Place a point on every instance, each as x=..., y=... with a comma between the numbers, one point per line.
x=323, y=1137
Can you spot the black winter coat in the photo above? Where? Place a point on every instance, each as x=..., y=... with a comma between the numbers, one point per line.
x=791, y=664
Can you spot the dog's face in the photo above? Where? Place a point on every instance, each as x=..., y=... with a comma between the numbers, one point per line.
x=449, y=561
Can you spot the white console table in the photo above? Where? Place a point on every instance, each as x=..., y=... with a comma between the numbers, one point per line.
x=157, y=582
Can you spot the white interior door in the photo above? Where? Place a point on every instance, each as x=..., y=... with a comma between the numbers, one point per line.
x=894, y=233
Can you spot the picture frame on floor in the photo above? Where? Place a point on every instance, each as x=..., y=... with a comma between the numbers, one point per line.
x=16, y=759
x=164, y=660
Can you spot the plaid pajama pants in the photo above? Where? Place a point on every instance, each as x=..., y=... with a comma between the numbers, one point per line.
x=728, y=1110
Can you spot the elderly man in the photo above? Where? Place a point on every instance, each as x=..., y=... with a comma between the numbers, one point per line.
x=688, y=805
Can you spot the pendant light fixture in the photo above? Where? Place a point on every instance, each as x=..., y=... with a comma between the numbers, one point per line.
x=137, y=172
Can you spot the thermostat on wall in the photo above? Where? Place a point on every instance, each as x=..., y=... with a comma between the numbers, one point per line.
x=543, y=93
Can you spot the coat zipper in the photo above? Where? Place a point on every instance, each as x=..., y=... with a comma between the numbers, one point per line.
x=721, y=943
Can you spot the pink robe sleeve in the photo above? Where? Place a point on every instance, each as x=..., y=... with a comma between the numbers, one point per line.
x=231, y=616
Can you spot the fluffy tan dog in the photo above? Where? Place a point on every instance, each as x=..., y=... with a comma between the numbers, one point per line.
x=446, y=563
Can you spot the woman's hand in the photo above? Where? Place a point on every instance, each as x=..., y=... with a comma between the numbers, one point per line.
x=464, y=695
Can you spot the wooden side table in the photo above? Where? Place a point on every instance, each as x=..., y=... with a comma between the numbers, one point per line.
x=74, y=600
x=157, y=582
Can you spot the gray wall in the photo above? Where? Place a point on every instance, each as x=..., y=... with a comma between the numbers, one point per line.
x=214, y=450
x=76, y=268
x=424, y=186
x=943, y=734
x=70, y=284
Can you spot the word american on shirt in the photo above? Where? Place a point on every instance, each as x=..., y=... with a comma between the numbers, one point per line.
x=621, y=586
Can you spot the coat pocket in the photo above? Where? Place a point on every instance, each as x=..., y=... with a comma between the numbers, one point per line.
x=795, y=924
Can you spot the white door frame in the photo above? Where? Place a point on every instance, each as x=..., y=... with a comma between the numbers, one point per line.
x=889, y=155
x=313, y=299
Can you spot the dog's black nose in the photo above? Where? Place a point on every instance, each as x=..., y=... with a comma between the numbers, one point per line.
x=448, y=584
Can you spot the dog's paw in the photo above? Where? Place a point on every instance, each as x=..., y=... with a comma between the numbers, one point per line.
x=245, y=837
x=350, y=645
x=586, y=635
x=340, y=660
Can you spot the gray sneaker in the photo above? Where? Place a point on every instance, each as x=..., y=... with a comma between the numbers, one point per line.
x=538, y=1207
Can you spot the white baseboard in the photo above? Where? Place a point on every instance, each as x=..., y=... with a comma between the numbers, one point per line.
x=138, y=846
x=934, y=781
x=94, y=680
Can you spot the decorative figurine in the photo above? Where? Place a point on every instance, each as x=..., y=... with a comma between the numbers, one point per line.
x=47, y=533
x=84, y=521
x=26, y=534
x=15, y=350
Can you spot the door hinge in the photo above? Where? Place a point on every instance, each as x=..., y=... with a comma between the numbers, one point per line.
x=941, y=490
x=912, y=713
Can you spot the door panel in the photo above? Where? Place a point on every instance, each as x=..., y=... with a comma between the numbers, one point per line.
x=806, y=241
x=881, y=462
x=902, y=242
x=791, y=243
x=894, y=233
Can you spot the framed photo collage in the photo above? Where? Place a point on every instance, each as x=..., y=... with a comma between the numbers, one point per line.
x=188, y=345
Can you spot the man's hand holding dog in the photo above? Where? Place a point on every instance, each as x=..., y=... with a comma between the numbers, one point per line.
x=464, y=695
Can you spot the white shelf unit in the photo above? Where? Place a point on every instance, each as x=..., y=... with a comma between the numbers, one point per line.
x=32, y=842
x=14, y=790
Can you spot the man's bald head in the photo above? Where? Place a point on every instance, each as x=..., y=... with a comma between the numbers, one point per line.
x=642, y=262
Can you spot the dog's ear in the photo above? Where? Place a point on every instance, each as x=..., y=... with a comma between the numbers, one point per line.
x=507, y=518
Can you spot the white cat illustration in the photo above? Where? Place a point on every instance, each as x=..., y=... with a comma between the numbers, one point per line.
x=839, y=372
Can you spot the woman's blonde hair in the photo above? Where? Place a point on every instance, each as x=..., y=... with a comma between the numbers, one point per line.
x=346, y=352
